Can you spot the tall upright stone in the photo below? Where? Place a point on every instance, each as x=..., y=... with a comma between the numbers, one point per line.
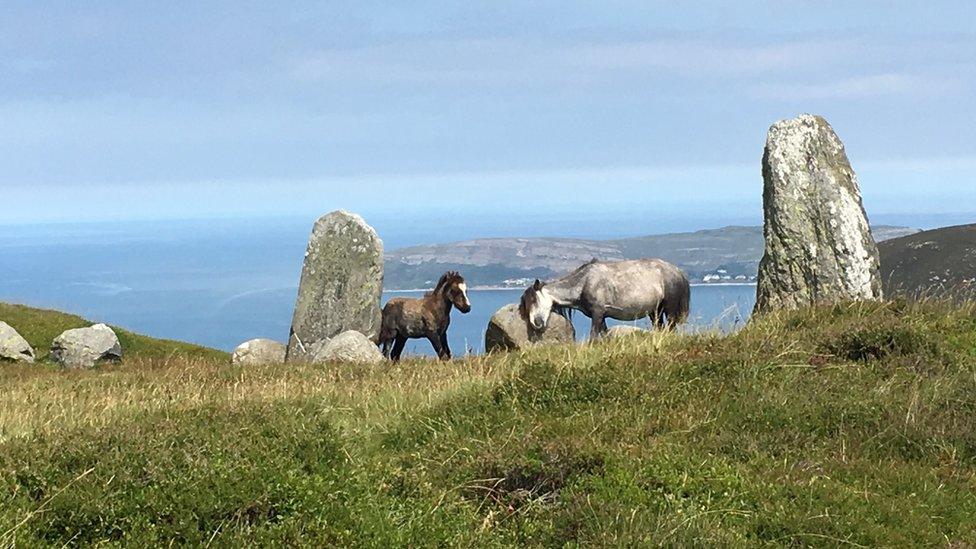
x=341, y=284
x=819, y=247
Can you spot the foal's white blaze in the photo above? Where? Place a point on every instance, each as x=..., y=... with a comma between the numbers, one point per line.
x=464, y=292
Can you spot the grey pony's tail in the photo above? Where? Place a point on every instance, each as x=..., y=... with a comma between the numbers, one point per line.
x=684, y=305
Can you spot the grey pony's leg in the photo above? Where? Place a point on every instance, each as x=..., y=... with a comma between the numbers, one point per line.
x=398, y=348
x=444, y=345
x=657, y=317
x=599, y=325
x=675, y=317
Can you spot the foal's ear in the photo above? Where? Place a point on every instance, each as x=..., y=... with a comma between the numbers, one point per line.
x=538, y=285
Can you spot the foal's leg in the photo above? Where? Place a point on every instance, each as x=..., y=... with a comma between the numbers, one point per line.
x=398, y=348
x=435, y=342
x=446, y=348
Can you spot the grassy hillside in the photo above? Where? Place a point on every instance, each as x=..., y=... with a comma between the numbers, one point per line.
x=39, y=327
x=940, y=261
x=849, y=425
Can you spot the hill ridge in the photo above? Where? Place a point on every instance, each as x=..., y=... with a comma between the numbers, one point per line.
x=724, y=254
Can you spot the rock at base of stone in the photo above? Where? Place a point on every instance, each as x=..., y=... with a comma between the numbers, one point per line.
x=258, y=351
x=298, y=352
x=13, y=346
x=341, y=284
x=819, y=247
x=349, y=346
x=83, y=347
x=624, y=330
x=507, y=331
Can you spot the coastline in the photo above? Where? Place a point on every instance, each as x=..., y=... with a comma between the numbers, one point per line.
x=511, y=288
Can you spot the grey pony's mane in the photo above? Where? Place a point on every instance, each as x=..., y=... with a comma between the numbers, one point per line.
x=571, y=278
x=565, y=312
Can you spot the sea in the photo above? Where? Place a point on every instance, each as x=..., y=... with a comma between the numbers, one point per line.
x=221, y=282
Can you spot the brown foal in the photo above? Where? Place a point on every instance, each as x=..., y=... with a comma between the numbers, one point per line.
x=427, y=317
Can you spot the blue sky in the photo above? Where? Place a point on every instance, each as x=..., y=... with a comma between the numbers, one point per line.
x=613, y=111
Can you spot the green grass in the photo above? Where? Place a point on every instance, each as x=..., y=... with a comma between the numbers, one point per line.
x=848, y=425
x=39, y=327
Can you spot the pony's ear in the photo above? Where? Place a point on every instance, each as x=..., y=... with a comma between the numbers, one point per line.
x=538, y=284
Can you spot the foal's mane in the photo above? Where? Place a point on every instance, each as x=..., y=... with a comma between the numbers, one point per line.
x=446, y=280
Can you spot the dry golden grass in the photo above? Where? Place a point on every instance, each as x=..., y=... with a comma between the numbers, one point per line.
x=847, y=425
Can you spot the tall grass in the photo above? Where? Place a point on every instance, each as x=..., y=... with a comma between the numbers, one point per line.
x=844, y=425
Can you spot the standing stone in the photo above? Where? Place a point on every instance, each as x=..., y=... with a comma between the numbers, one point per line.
x=258, y=351
x=13, y=346
x=819, y=247
x=341, y=285
x=507, y=330
x=83, y=347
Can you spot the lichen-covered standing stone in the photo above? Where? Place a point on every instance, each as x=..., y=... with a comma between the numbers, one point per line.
x=819, y=247
x=83, y=347
x=13, y=346
x=341, y=285
x=507, y=331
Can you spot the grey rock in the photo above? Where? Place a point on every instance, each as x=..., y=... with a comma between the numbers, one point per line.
x=341, y=284
x=349, y=346
x=818, y=245
x=13, y=346
x=83, y=347
x=624, y=330
x=507, y=330
x=258, y=351
x=304, y=353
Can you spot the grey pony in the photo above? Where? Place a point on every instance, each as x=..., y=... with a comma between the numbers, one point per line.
x=623, y=290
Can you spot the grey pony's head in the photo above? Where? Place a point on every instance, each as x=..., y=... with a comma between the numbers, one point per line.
x=535, y=307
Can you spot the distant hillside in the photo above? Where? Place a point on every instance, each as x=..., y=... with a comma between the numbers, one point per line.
x=933, y=262
x=730, y=254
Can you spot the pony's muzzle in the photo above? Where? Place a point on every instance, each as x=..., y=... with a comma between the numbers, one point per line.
x=539, y=322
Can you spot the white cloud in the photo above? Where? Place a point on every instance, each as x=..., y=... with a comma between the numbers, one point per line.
x=702, y=58
x=511, y=60
x=860, y=87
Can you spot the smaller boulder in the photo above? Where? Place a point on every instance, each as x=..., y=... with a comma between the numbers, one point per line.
x=507, y=331
x=258, y=351
x=295, y=351
x=349, y=346
x=13, y=346
x=83, y=347
x=624, y=330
